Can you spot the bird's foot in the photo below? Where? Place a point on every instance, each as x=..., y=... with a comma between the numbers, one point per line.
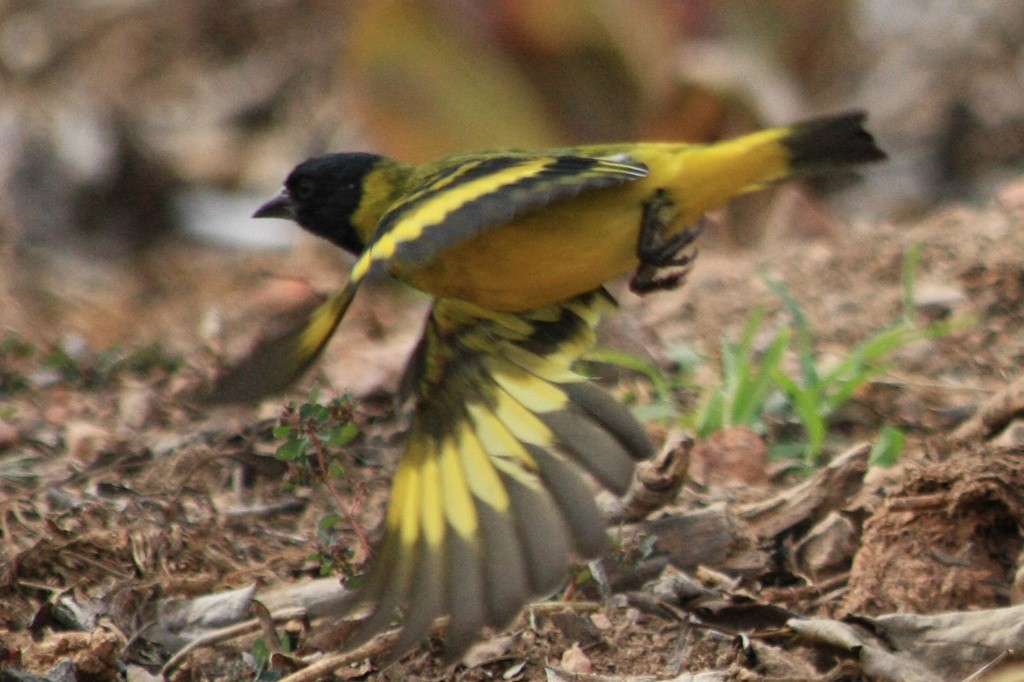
x=655, y=251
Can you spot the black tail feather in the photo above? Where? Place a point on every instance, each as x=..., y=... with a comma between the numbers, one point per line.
x=835, y=141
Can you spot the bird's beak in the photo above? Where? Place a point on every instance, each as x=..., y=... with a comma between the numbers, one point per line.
x=280, y=206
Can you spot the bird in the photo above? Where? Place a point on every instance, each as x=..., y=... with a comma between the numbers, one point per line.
x=514, y=230
x=491, y=500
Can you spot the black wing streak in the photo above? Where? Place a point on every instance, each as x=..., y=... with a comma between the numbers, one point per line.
x=444, y=180
x=563, y=178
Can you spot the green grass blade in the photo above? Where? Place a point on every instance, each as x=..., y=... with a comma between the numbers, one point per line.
x=741, y=370
x=806, y=405
x=711, y=416
x=750, y=400
x=803, y=330
x=887, y=447
x=908, y=277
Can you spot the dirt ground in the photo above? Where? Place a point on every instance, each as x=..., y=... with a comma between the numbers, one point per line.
x=146, y=535
x=124, y=499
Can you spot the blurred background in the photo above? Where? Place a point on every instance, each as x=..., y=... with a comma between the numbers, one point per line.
x=137, y=136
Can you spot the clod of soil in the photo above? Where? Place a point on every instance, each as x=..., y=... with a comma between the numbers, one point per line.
x=949, y=539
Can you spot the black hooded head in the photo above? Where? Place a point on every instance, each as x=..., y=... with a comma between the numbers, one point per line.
x=321, y=194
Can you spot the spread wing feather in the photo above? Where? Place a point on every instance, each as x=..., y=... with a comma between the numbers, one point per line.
x=490, y=498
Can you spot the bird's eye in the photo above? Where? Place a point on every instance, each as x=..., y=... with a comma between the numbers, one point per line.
x=303, y=189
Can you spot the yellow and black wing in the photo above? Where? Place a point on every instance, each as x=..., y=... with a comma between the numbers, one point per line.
x=445, y=205
x=490, y=499
x=468, y=194
x=280, y=357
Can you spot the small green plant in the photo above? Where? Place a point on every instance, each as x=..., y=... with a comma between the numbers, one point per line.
x=93, y=369
x=311, y=428
x=313, y=433
x=12, y=345
x=815, y=393
x=260, y=658
x=755, y=379
x=740, y=398
x=76, y=364
x=152, y=357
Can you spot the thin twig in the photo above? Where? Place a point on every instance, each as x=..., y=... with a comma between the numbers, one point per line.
x=229, y=632
x=331, y=662
x=988, y=666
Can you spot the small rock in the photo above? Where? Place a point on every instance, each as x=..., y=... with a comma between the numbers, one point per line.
x=828, y=547
x=135, y=405
x=601, y=620
x=938, y=301
x=211, y=327
x=736, y=455
x=84, y=440
x=575, y=661
x=75, y=347
x=43, y=378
